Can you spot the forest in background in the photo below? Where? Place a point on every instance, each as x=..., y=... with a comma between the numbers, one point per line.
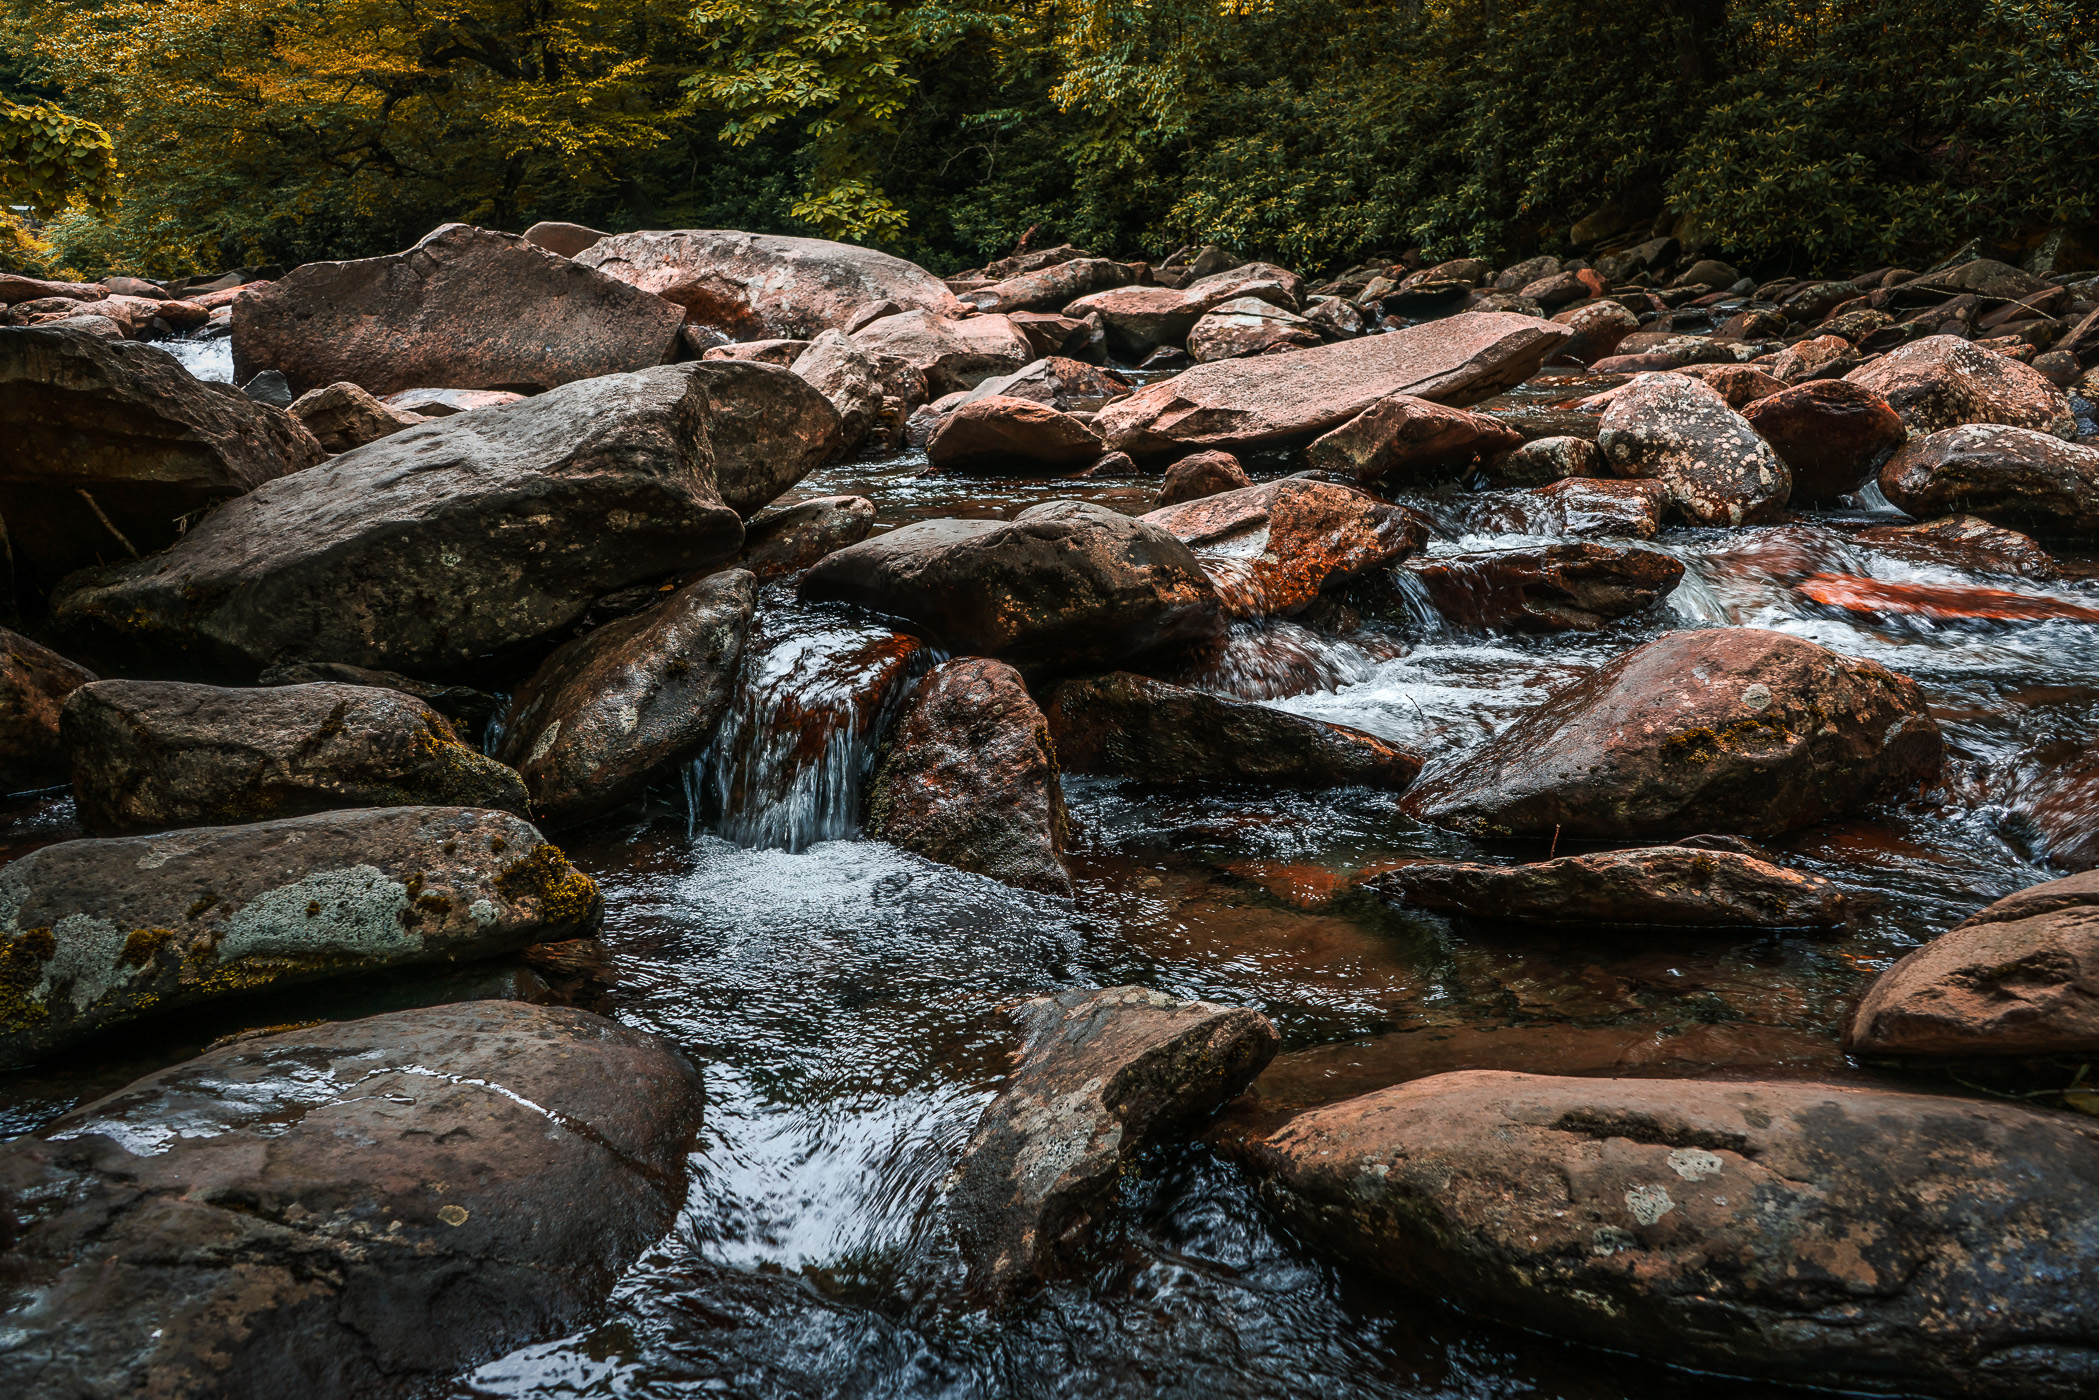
x=1792, y=135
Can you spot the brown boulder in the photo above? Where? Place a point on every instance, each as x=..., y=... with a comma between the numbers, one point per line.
x=1832, y=435
x=1575, y=508
x=767, y=428
x=2008, y=476
x=1821, y=357
x=872, y=393
x=621, y=705
x=1056, y=382
x=1846, y=1238
x=1733, y=729
x=1065, y=583
x=1666, y=428
x=34, y=684
x=565, y=239
x=343, y=416
x=2019, y=978
x=1272, y=548
x=1408, y=435
x=1558, y=588
x=1943, y=381
x=1132, y=727
x=106, y=448
x=1964, y=542
x=1248, y=326
x=1050, y=288
x=766, y=352
x=101, y=933
x=1277, y=399
x=466, y=308
x=1140, y=319
x=1006, y=434
x=15, y=288
x=1103, y=1076
x=1201, y=474
x=375, y=1208
x=150, y=755
x=1984, y=277
x=1737, y=385
x=1674, y=886
x=790, y=540
x=1598, y=327
x=953, y=355
x=968, y=778
x=1544, y=460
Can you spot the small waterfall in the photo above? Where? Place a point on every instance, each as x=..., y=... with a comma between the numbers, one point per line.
x=1272, y=658
x=1693, y=601
x=1420, y=614
x=792, y=757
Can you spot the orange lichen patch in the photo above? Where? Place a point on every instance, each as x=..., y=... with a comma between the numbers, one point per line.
x=1951, y=602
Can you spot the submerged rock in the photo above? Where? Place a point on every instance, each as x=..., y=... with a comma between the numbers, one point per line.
x=1102, y=1077
x=2019, y=978
x=1832, y=1236
x=98, y=933
x=467, y=308
x=1133, y=727
x=621, y=705
x=34, y=684
x=148, y=755
x=1732, y=730
x=1572, y=508
x=2007, y=476
x=1673, y=886
x=1559, y=588
x=425, y=552
x=969, y=779
x=1271, y=548
x=1062, y=584
x=365, y=1208
x=1964, y=542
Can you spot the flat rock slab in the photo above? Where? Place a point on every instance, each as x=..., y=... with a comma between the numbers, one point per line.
x=97, y=933
x=1275, y=400
x=1673, y=886
x=1846, y=1238
x=127, y=425
x=149, y=755
x=1734, y=730
x=1103, y=1076
x=425, y=552
x=1134, y=727
x=2019, y=978
x=466, y=308
x=364, y=1208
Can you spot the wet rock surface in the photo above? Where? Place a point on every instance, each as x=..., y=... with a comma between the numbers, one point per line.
x=617, y=707
x=969, y=779
x=147, y=755
x=1102, y=1076
x=1943, y=381
x=34, y=684
x=1272, y=548
x=467, y=308
x=1573, y=507
x=1408, y=435
x=98, y=933
x=767, y=428
x=1737, y=731
x=1807, y=1233
x=1831, y=434
x=1562, y=587
x=369, y=1206
x=1679, y=432
x=1964, y=541
x=1672, y=886
x=2008, y=476
x=1134, y=727
x=790, y=540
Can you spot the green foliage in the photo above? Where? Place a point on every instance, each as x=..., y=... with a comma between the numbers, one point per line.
x=52, y=161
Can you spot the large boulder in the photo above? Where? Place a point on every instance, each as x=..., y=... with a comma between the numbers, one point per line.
x=1598, y=326
x=758, y=286
x=34, y=684
x=622, y=704
x=767, y=428
x=953, y=355
x=2019, y=978
x=1669, y=886
x=1678, y=431
x=1103, y=1076
x=1556, y=588
x=1733, y=729
x=1844, y=1238
x=969, y=778
x=1138, y=320
x=1050, y=288
x=871, y=392
x=488, y=532
x=1272, y=548
x=2007, y=476
x=1832, y=434
x=106, y=448
x=148, y=755
x=98, y=933
x=1249, y=326
x=998, y=434
x=1574, y=507
x=1276, y=400
x=1403, y=433
x=1065, y=583
x=1943, y=381
x=1134, y=727
x=466, y=308
x=366, y=1208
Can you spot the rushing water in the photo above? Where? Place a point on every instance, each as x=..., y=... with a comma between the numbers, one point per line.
x=848, y=1000
x=205, y=358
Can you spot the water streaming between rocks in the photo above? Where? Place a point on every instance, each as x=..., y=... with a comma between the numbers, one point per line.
x=845, y=997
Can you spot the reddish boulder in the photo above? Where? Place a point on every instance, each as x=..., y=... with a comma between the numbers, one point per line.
x=2008, y=476
x=1049, y=288
x=1733, y=729
x=1832, y=435
x=1544, y=460
x=15, y=288
x=953, y=355
x=968, y=778
x=1822, y=357
x=1406, y=434
x=1138, y=320
x=1939, y=601
x=466, y=308
x=1846, y=1238
x=1964, y=542
x=1271, y=548
x=1559, y=588
x=1943, y=381
x=1248, y=326
x=1598, y=326
x=1738, y=385
x=788, y=541
x=2019, y=978
x=1201, y=474
x=1005, y=434
x=34, y=684
x=343, y=416
x=1677, y=431
x=1673, y=886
